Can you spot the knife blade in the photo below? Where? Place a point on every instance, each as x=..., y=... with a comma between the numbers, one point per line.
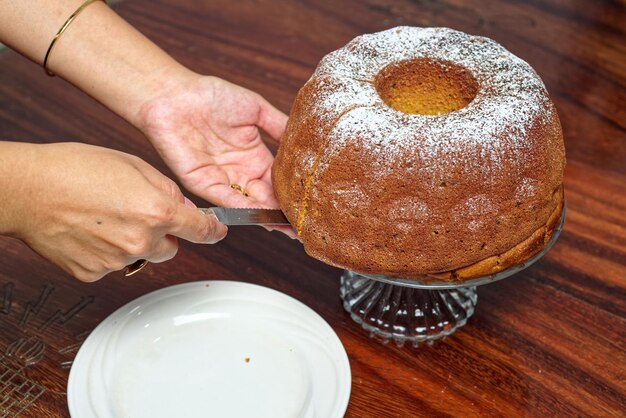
x=247, y=216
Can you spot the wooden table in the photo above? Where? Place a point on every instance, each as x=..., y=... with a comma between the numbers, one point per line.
x=550, y=341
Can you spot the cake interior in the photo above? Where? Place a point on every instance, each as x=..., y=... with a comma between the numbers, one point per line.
x=425, y=86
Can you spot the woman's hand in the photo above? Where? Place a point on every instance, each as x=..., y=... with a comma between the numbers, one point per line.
x=92, y=210
x=207, y=131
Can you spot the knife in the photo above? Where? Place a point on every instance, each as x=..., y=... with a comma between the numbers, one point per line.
x=247, y=216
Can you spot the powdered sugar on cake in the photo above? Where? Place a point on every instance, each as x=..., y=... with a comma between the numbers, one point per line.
x=511, y=97
x=526, y=189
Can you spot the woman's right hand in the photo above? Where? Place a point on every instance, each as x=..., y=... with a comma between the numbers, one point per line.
x=92, y=210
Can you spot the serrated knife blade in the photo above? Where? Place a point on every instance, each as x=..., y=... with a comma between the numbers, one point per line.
x=247, y=216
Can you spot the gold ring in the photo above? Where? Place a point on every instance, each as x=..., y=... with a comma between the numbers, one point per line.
x=135, y=267
x=240, y=189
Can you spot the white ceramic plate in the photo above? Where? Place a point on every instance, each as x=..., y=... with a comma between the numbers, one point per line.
x=211, y=348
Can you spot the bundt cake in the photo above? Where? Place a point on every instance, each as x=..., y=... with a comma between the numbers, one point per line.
x=422, y=153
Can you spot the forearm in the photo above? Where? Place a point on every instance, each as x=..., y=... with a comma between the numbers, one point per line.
x=14, y=190
x=99, y=52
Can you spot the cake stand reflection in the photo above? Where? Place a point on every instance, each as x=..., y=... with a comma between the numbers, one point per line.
x=408, y=311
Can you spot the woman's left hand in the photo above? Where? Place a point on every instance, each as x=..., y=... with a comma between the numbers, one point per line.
x=207, y=131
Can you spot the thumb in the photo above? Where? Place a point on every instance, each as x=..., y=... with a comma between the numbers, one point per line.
x=192, y=225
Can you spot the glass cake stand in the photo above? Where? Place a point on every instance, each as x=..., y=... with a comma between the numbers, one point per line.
x=413, y=311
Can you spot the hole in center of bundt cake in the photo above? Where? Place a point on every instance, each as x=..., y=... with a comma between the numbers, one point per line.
x=426, y=87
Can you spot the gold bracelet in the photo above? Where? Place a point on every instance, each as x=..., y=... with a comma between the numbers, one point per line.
x=60, y=32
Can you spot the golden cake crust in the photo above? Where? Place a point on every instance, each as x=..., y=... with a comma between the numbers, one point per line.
x=446, y=197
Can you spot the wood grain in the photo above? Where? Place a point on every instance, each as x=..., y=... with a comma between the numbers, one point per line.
x=550, y=341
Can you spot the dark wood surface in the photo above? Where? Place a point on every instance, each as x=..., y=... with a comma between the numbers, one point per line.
x=551, y=341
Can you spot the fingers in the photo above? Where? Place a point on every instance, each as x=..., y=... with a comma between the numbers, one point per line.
x=180, y=217
x=191, y=225
x=165, y=249
x=285, y=229
x=189, y=203
x=224, y=195
x=263, y=193
x=258, y=198
x=271, y=120
x=259, y=194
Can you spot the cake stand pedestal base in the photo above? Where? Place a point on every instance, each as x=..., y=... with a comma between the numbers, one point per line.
x=403, y=314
